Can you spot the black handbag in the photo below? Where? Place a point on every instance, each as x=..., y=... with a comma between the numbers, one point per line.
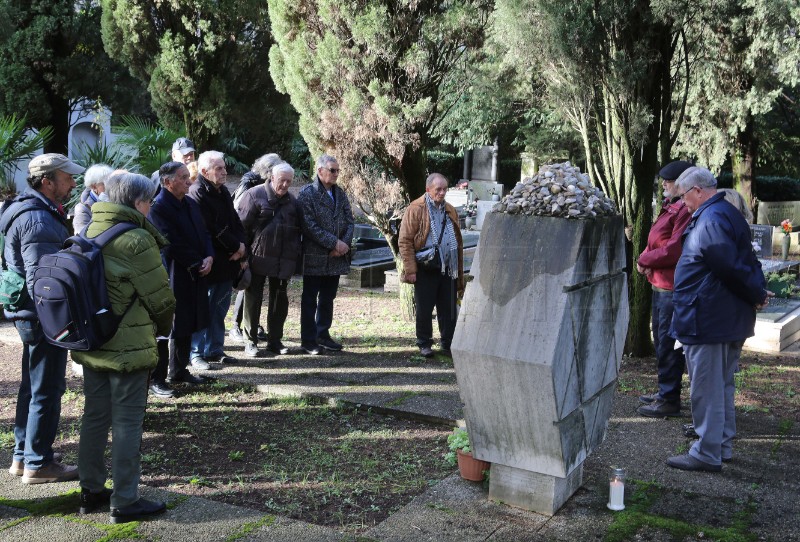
x=429, y=258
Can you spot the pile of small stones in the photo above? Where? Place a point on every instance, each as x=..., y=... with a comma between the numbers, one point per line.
x=559, y=190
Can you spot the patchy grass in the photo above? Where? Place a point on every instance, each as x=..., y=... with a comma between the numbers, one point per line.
x=332, y=466
x=636, y=516
x=765, y=383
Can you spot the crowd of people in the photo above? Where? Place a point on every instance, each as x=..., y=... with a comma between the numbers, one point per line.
x=172, y=276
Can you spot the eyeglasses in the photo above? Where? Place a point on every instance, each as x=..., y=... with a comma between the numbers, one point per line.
x=335, y=171
x=689, y=190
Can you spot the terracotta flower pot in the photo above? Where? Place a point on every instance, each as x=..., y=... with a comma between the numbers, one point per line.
x=471, y=468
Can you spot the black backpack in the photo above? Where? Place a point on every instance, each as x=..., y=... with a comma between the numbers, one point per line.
x=70, y=293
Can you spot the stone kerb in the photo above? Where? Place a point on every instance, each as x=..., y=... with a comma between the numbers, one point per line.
x=538, y=345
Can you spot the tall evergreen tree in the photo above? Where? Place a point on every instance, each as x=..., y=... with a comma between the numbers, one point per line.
x=748, y=54
x=203, y=62
x=609, y=67
x=372, y=80
x=53, y=56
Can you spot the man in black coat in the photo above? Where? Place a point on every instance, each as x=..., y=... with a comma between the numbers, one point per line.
x=188, y=259
x=228, y=241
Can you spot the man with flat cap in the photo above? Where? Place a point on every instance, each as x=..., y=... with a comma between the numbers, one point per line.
x=34, y=225
x=183, y=150
x=657, y=263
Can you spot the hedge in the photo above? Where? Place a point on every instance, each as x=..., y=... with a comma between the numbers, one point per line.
x=768, y=188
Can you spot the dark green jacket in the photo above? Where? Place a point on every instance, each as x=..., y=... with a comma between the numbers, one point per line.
x=133, y=266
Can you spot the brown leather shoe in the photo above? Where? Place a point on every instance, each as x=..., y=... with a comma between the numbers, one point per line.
x=17, y=468
x=52, y=472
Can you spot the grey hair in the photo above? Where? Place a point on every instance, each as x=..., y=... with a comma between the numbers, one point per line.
x=263, y=165
x=324, y=160
x=432, y=177
x=696, y=176
x=128, y=188
x=168, y=171
x=737, y=200
x=97, y=174
x=283, y=167
x=204, y=160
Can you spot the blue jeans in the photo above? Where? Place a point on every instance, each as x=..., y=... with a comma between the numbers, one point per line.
x=208, y=342
x=116, y=400
x=316, y=306
x=39, y=399
x=671, y=362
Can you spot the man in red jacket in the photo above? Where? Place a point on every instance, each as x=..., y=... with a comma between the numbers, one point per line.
x=657, y=263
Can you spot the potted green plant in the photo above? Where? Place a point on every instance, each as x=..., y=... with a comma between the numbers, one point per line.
x=461, y=453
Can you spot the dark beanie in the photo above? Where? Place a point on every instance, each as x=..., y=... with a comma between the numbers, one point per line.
x=673, y=170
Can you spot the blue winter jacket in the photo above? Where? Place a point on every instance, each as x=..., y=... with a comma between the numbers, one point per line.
x=718, y=280
x=38, y=231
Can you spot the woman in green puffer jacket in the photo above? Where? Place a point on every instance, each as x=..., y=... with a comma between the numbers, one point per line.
x=115, y=375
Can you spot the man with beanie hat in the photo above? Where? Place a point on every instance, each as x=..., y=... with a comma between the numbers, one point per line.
x=34, y=225
x=657, y=263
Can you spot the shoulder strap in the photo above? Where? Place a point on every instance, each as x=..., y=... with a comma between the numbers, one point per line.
x=17, y=212
x=111, y=233
x=101, y=240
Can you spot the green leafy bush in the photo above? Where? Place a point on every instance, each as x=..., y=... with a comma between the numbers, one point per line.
x=781, y=284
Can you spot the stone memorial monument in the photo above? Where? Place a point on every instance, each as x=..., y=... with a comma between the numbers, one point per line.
x=540, y=336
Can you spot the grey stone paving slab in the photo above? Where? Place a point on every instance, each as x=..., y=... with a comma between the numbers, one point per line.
x=284, y=529
x=52, y=529
x=11, y=487
x=199, y=519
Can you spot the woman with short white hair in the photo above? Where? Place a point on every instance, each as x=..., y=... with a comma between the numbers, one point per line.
x=94, y=182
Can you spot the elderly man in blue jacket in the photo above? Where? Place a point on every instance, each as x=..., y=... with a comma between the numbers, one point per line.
x=34, y=225
x=719, y=286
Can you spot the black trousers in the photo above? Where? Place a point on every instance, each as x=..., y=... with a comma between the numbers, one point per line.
x=433, y=289
x=316, y=306
x=277, y=308
x=173, y=357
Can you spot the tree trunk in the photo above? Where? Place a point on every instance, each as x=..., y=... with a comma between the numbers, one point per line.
x=639, y=342
x=414, y=170
x=407, y=306
x=743, y=162
x=59, y=120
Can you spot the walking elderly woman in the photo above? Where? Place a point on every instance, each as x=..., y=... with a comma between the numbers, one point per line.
x=115, y=375
x=429, y=225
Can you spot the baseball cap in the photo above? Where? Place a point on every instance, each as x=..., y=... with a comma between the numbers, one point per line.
x=673, y=170
x=50, y=162
x=184, y=145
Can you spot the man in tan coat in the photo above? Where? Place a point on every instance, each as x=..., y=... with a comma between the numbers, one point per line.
x=431, y=223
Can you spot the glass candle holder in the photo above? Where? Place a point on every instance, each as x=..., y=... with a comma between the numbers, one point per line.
x=616, y=488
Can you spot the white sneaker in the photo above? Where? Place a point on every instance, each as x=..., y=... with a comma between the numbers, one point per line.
x=250, y=349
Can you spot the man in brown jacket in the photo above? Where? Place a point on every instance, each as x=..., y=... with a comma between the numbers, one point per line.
x=429, y=222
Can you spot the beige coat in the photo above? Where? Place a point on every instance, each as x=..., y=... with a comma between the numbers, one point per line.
x=414, y=230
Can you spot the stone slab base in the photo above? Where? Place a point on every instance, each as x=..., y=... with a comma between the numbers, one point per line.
x=391, y=281
x=775, y=336
x=366, y=277
x=532, y=491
